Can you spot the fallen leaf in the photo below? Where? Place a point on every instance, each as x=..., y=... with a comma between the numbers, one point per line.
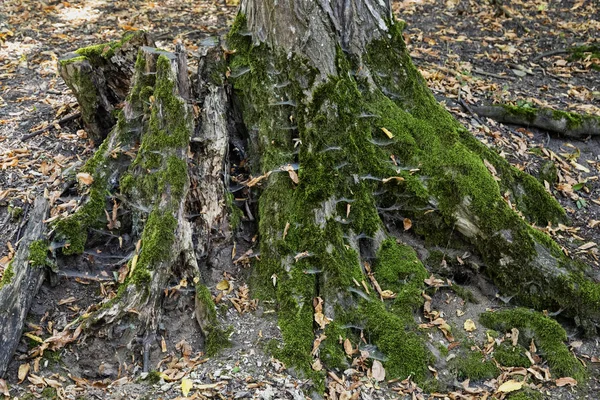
x=223, y=285
x=316, y=365
x=377, y=371
x=388, y=133
x=23, y=371
x=566, y=381
x=85, y=178
x=587, y=246
x=469, y=325
x=292, y=173
x=4, y=388
x=186, y=386
x=348, y=347
x=407, y=224
x=510, y=386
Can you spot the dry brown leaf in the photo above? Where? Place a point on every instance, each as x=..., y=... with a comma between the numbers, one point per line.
x=587, y=246
x=377, y=371
x=292, y=173
x=23, y=371
x=407, y=224
x=184, y=347
x=566, y=381
x=514, y=336
x=316, y=365
x=348, y=347
x=85, y=178
x=4, y=388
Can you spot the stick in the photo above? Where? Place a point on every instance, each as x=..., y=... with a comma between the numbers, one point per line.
x=61, y=121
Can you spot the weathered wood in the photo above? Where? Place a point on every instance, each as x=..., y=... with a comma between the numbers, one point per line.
x=100, y=76
x=568, y=124
x=17, y=295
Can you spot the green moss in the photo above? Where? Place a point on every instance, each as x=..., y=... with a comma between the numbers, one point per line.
x=525, y=394
x=15, y=212
x=106, y=50
x=153, y=377
x=548, y=172
x=235, y=214
x=529, y=113
x=66, y=61
x=508, y=355
x=157, y=238
x=73, y=229
x=38, y=254
x=49, y=393
x=547, y=334
x=216, y=338
x=475, y=366
x=7, y=275
x=582, y=52
x=464, y=293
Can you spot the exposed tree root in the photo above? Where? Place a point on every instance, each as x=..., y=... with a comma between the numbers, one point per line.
x=143, y=165
x=565, y=123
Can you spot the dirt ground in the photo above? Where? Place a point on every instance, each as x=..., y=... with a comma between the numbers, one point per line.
x=464, y=49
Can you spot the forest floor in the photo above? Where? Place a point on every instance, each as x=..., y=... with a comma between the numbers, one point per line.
x=466, y=50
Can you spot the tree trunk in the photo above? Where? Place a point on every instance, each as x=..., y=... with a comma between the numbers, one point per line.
x=349, y=149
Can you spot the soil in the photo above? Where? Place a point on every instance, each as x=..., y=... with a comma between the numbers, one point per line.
x=455, y=43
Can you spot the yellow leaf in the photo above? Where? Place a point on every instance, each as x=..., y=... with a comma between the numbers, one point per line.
x=469, y=325
x=34, y=338
x=510, y=386
x=186, y=386
x=388, y=133
x=223, y=285
x=133, y=264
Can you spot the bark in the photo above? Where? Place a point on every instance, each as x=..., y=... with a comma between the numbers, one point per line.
x=17, y=293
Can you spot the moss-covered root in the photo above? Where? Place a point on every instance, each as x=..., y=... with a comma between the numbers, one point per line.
x=547, y=334
x=568, y=124
x=591, y=52
x=215, y=337
x=157, y=183
x=99, y=77
x=372, y=140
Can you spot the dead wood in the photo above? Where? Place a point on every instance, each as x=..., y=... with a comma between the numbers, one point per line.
x=17, y=295
x=99, y=77
x=569, y=124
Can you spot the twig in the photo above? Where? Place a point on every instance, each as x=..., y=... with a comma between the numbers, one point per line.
x=481, y=72
x=61, y=121
x=468, y=109
x=508, y=14
x=550, y=53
